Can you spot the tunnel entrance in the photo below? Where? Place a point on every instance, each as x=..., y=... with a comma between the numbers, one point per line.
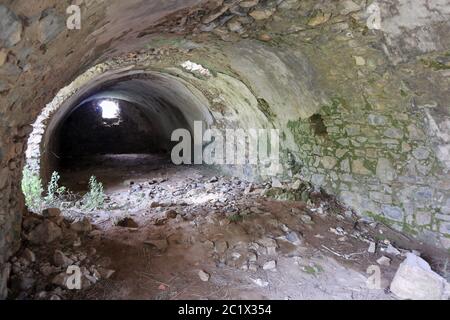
x=109, y=135
x=104, y=136
x=108, y=143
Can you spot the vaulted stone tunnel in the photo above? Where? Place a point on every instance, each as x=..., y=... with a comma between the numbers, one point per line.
x=363, y=112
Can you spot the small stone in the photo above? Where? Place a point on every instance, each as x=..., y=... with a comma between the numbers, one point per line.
x=51, y=212
x=293, y=238
x=319, y=18
x=155, y=204
x=252, y=257
x=260, y=283
x=42, y=295
x=348, y=7
x=91, y=279
x=265, y=37
x=220, y=246
x=372, y=247
x=296, y=185
x=204, y=276
x=306, y=218
x=171, y=214
x=106, y=273
x=213, y=16
x=276, y=183
x=160, y=221
x=95, y=234
x=29, y=255
x=161, y=245
x=3, y=56
x=127, y=223
x=235, y=255
x=384, y=261
x=235, y=26
x=60, y=279
x=77, y=243
x=359, y=61
x=248, y=3
x=82, y=226
x=392, y=250
x=267, y=242
x=252, y=267
x=262, y=14
x=270, y=265
x=61, y=260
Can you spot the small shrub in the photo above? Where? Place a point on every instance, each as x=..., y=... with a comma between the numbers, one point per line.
x=54, y=191
x=32, y=190
x=235, y=218
x=95, y=198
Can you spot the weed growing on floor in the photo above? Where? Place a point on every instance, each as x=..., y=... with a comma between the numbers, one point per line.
x=55, y=193
x=235, y=218
x=95, y=198
x=32, y=190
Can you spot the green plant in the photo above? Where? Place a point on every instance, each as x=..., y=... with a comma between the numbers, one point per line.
x=54, y=191
x=235, y=218
x=32, y=190
x=95, y=198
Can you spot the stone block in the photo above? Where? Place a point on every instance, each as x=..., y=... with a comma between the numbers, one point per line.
x=415, y=280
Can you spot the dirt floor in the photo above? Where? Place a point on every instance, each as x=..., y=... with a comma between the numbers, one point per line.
x=173, y=232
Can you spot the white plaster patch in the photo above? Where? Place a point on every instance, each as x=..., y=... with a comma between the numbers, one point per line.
x=196, y=68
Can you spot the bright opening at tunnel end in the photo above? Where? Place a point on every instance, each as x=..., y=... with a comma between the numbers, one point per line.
x=110, y=109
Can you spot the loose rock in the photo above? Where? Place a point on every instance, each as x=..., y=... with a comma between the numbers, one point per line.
x=127, y=223
x=384, y=261
x=10, y=27
x=270, y=265
x=161, y=245
x=82, y=226
x=204, y=276
x=45, y=233
x=61, y=260
x=372, y=247
x=415, y=280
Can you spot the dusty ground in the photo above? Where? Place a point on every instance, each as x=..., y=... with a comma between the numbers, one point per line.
x=189, y=220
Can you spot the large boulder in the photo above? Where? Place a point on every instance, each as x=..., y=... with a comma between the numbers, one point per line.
x=82, y=226
x=44, y=233
x=415, y=280
x=10, y=28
